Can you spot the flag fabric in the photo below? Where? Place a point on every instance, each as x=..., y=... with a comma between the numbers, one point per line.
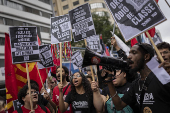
x=151, y=32
x=107, y=52
x=122, y=45
x=16, y=75
x=102, y=45
x=133, y=42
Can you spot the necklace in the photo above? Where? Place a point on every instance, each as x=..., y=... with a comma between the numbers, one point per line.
x=143, y=87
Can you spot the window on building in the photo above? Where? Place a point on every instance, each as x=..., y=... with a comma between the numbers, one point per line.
x=75, y=3
x=2, y=41
x=1, y=20
x=101, y=13
x=44, y=29
x=1, y=3
x=44, y=14
x=65, y=7
x=27, y=9
x=63, y=0
x=97, y=5
x=35, y=11
x=14, y=5
x=86, y=0
x=8, y=22
x=17, y=23
x=45, y=1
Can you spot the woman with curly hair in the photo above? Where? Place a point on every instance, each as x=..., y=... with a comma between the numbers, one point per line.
x=83, y=97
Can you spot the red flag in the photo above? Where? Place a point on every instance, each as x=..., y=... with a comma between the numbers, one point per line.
x=156, y=1
x=39, y=41
x=10, y=79
x=133, y=42
x=107, y=52
x=151, y=32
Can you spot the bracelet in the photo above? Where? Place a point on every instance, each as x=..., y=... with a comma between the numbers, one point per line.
x=114, y=95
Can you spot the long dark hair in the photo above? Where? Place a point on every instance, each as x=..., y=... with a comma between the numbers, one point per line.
x=87, y=87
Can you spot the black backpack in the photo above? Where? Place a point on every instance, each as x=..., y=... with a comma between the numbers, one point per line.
x=42, y=107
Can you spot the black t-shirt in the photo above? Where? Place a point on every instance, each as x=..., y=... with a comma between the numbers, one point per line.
x=80, y=105
x=156, y=97
x=120, y=89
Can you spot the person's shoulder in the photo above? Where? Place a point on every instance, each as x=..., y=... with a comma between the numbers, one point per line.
x=48, y=111
x=15, y=111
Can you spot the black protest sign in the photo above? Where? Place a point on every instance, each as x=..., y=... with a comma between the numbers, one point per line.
x=77, y=59
x=93, y=42
x=46, y=59
x=134, y=17
x=24, y=44
x=60, y=29
x=81, y=22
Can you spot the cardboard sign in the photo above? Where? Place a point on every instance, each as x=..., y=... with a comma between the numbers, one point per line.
x=46, y=59
x=93, y=42
x=77, y=59
x=82, y=22
x=60, y=29
x=134, y=17
x=24, y=44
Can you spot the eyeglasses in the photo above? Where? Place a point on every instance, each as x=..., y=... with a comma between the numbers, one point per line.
x=33, y=92
x=164, y=52
x=76, y=76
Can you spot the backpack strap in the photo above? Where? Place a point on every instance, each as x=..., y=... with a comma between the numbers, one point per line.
x=19, y=110
x=43, y=108
x=66, y=89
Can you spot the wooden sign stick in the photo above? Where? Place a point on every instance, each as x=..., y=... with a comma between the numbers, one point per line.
x=29, y=86
x=167, y=3
x=156, y=49
x=61, y=63
x=40, y=76
x=90, y=66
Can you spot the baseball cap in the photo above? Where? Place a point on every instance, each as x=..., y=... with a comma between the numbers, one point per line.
x=147, y=48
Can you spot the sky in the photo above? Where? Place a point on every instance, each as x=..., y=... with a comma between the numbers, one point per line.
x=164, y=27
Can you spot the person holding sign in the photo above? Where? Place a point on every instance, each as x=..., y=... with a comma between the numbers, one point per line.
x=24, y=98
x=82, y=97
x=147, y=92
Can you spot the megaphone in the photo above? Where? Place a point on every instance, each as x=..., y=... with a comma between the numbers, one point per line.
x=93, y=58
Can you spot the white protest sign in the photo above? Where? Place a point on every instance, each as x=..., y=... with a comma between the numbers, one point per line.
x=77, y=59
x=24, y=44
x=134, y=17
x=93, y=42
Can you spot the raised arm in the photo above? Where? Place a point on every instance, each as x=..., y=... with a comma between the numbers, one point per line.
x=62, y=105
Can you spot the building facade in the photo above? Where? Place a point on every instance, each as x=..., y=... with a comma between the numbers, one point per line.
x=24, y=13
x=62, y=7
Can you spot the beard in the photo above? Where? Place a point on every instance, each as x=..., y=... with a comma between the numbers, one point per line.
x=140, y=66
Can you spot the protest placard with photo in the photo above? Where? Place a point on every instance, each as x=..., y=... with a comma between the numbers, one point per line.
x=60, y=29
x=134, y=17
x=93, y=42
x=46, y=59
x=24, y=44
x=77, y=59
x=82, y=22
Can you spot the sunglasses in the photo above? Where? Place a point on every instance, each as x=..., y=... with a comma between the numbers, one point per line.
x=76, y=76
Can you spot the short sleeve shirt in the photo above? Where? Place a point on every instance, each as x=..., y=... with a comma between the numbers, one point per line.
x=156, y=97
x=80, y=105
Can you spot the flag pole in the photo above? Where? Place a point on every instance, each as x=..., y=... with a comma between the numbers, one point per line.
x=61, y=63
x=40, y=76
x=113, y=35
x=167, y=3
x=90, y=66
x=156, y=49
x=29, y=86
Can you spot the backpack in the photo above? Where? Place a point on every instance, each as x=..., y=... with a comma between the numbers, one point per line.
x=42, y=107
x=111, y=108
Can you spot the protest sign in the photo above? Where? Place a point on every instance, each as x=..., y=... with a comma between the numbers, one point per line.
x=93, y=42
x=134, y=17
x=82, y=22
x=46, y=59
x=77, y=59
x=156, y=39
x=60, y=29
x=24, y=44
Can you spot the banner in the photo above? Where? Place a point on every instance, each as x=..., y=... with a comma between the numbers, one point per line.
x=93, y=42
x=60, y=29
x=82, y=22
x=134, y=17
x=24, y=44
x=77, y=59
x=46, y=59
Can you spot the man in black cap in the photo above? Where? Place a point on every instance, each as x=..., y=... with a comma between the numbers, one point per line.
x=146, y=94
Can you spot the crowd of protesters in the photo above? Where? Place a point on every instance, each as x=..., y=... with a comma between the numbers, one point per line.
x=136, y=90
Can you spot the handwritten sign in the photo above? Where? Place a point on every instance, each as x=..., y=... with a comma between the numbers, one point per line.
x=77, y=59
x=134, y=17
x=82, y=22
x=46, y=59
x=60, y=29
x=24, y=44
x=93, y=42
